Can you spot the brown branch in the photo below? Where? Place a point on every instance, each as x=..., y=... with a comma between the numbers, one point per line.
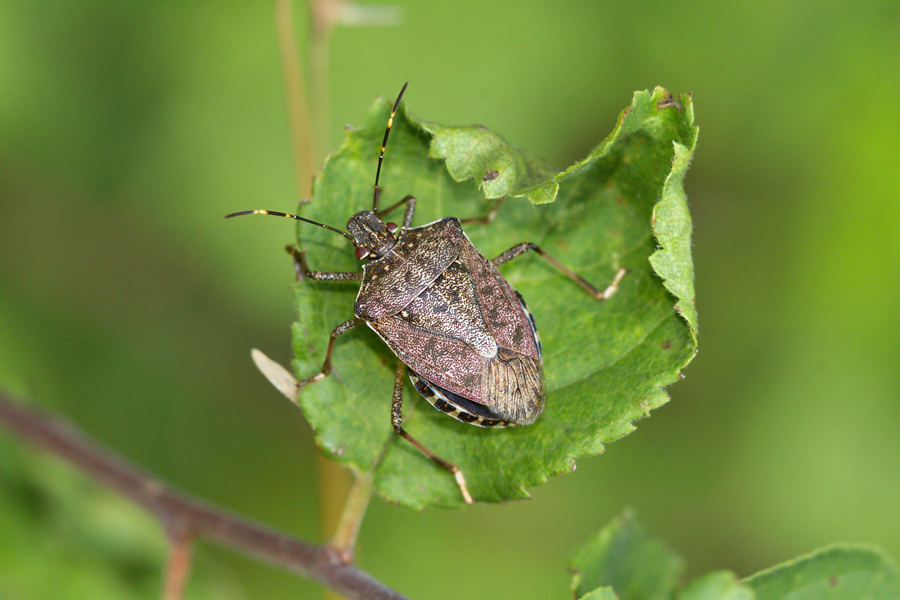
x=178, y=511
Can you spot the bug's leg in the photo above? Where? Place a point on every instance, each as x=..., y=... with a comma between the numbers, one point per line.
x=304, y=272
x=326, y=366
x=488, y=218
x=524, y=247
x=397, y=419
x=410, y=202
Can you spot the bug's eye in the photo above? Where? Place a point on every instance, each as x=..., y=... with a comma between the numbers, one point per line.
x=392, y=227
x=361, y=253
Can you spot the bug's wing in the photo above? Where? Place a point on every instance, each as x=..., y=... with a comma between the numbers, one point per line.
x=419, y=257
x=510, y=383
x=470, y=333
x=447, y=361
x=516, y=379
x=507, y=318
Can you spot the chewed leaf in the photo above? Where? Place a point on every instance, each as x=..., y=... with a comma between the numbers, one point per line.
x=605, y=363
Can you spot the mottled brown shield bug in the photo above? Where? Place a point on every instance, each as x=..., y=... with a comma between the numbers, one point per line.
x=465, y=336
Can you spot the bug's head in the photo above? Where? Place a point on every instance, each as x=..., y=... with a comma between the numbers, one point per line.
x=372, y=236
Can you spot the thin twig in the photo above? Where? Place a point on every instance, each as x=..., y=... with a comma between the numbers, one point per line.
x=178, y=569
x=175, y=508
x=292, y=69
x=344, y=540
x=322, y=17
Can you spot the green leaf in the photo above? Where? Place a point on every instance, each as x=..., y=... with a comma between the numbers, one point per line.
x=718, y=585
x=605, y=363
x=840, y=572
x=622, y=556
x=604, y=593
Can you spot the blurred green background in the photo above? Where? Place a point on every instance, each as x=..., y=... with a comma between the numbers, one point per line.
x=128, y=129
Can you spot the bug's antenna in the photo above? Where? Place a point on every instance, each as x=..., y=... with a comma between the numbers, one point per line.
x=387, y=132
x=281, y=214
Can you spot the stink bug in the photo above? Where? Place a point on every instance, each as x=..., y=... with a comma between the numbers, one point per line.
x=463, y=334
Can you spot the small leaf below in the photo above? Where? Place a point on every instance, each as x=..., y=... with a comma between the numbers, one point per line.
x=840, y=572
x=623, y=557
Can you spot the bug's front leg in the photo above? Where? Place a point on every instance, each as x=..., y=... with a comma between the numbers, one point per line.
x=524, y=247
x=326, y=366
x=410, y=203
x=396, y=422
x=304, y=272
x=488, y=218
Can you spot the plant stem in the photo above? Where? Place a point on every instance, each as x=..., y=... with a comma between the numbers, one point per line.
x=292, y=68
x=323, y=14
x=310, y=139
x=178, y=569
x=344, y=540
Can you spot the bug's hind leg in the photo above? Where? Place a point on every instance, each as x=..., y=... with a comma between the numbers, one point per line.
x=520, y=249
x=396, y=421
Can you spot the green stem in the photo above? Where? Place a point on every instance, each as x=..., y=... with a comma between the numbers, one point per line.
x=310, y=141
x=323, y=14
x=344, y=540
x=301, y=136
